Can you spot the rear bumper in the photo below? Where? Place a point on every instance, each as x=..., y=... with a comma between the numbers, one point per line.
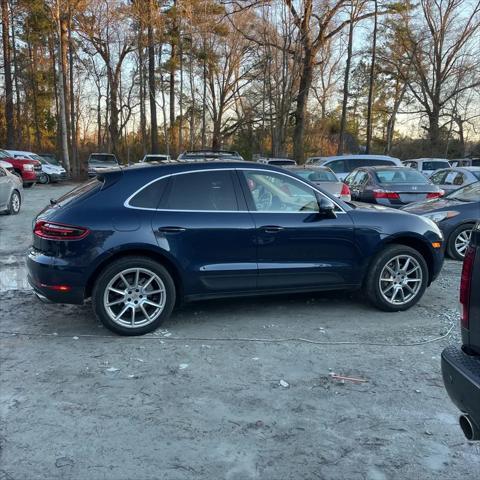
x=52, y=281
x=461, y=376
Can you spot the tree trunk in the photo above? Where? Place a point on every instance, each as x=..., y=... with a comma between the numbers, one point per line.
x=18, y=123
x=9, y=119
x=142, y=92
x=151, y=84
x=434, y=132
x=71, y=89
x=63, y=57
x=343, y=121
x=204, y=97
x=114, y=113
x=372, y=81
x=393, y=118
x=304, y=89
x=61, y=93
x=180, y=99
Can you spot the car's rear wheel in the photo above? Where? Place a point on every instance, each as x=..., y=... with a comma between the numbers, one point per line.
x=458, y=241
x=14, y=204
x=397, y=278
x=133, y=295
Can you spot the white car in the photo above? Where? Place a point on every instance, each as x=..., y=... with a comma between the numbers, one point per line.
x=11, y=189
x=49, y=173
x=156, y=157
x=342, y=165
x=427, y=165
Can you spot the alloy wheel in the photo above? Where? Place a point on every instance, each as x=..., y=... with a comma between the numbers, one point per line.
x=401, y=279
x=15, y=202
x=462, y=241
x=134, y=298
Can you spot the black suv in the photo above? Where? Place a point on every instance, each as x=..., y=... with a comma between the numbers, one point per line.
x=461, y=365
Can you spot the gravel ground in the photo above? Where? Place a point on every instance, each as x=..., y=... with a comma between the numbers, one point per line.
x=230, y=389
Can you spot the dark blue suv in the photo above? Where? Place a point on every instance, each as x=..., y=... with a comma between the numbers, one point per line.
x=138, y=240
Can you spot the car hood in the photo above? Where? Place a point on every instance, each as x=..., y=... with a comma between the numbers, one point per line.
x=373, y=207
x=431, y=205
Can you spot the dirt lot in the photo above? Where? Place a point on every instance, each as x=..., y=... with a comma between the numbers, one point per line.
x=201, y=398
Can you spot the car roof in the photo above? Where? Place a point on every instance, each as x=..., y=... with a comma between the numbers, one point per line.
x=309, y=167
x=425, y=159
x=20, y=152
x=385, y=167
x=359, y=157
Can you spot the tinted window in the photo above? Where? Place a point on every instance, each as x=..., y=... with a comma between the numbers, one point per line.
x=338, y=166
x=401, y=175
x=459, y=179
x=316, y=175
x=150, y=196
x=434, y=165
x=475, y=163
x=281, y=162
x=272, y=192
x=209, y=190
x=2, y=172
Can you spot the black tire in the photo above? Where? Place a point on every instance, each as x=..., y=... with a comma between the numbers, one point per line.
x=372, y=282
x=452, y=250
x=14, y=203
x=114, y=269
x=44, y=179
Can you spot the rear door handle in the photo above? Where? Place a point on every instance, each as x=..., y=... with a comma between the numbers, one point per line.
x=171, y=229
x=272, y=228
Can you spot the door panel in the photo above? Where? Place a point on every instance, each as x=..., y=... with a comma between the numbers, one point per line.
x=297, y=248
x=201, y=226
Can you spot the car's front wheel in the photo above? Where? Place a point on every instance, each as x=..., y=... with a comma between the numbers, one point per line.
x=14, y=203
x=44, y=179
x=133, y=295
x=397, y=278
x=458, y=242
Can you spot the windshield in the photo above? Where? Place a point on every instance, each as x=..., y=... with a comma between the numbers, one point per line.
x=316, y=175
x=470, y=193
x=156, y=158
x=400, y=175
x=103, y=158
x=281, y=162
x=435, y=165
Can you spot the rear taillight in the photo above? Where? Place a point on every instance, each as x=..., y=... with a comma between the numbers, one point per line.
x=435, y=194
x=386, y=194
x=58, y=231
x=345, y=190
x=466, y=285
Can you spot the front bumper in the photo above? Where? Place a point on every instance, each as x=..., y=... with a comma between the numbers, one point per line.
x=50, y=280
x=57, y=177
x=461, y=376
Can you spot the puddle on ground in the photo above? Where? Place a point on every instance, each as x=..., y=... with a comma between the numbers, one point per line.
x=14, y=278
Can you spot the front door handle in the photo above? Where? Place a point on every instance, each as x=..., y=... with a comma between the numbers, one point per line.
x=272, y=228
x=171, y=229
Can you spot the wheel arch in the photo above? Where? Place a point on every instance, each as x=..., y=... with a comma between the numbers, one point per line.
x=173, y=269
x=418, y=244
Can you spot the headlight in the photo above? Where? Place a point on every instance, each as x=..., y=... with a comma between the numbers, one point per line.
x=440, y=216
x=28, y=167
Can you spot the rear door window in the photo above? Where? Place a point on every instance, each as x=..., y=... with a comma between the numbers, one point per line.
x=201, y=191
x=338, y=166
x=438, y=178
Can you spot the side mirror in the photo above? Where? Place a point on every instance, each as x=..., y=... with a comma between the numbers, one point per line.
x=326, y=208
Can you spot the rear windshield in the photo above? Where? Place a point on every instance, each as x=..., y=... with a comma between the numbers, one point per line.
x=435, y=165
x=406, y=175
x=80, y=191
x=155, y=158
x=316, y=175
x=470, y=193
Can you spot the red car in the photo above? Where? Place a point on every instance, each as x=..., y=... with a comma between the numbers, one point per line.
x=29, y=170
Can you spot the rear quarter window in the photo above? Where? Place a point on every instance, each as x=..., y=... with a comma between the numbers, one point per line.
x=82, y=190
x=150, y=196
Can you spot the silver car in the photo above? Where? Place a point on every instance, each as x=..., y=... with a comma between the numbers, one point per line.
x=11, y=189
x=450, y=179
x=323, y=178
